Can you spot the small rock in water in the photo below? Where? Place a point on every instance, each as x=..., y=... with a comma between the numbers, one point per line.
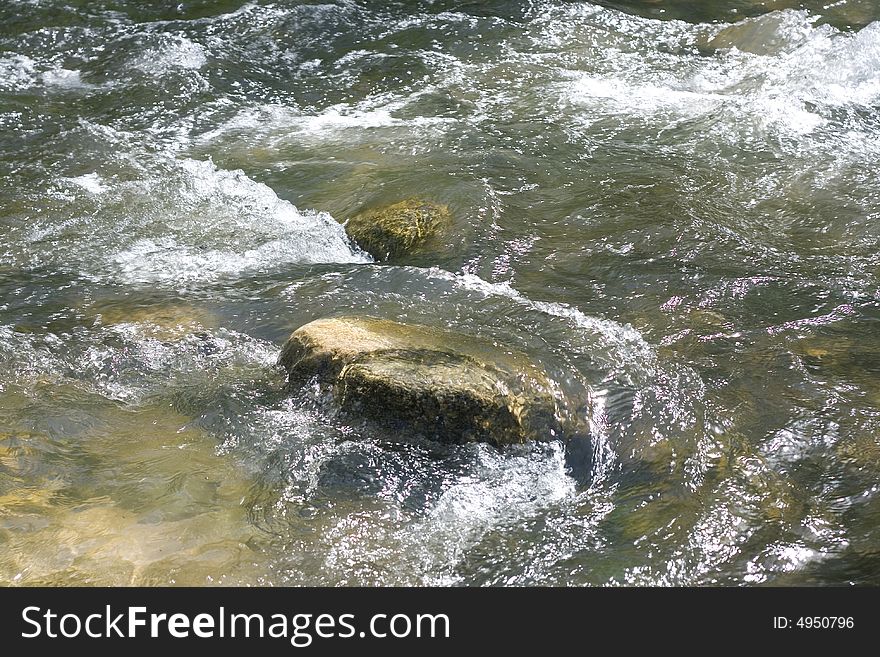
x=770, y=34
x=399, y=230
x=166, y=322
x=444, y=385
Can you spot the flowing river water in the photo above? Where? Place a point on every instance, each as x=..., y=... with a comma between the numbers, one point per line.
x=675, y=203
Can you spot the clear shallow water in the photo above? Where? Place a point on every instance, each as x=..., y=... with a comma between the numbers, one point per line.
x=678, y=215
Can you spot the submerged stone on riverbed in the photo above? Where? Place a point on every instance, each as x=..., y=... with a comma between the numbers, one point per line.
x=441, y=384
x=166, y=322
x=771, y=34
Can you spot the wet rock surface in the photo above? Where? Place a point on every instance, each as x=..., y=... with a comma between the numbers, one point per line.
x=405, y=228
x=444, y=385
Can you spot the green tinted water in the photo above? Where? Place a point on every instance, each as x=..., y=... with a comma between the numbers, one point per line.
x=677, y=212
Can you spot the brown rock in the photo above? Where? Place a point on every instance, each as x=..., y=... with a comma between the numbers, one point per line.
x=441, y=384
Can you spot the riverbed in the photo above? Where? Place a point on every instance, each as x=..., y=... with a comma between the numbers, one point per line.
x=673, y=206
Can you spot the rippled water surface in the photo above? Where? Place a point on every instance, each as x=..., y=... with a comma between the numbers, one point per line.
x=674, y=203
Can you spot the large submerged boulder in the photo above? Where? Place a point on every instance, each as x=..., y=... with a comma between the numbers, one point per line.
x=405, y=228
x=770, y=34
x=441, y=384
x=166, y=322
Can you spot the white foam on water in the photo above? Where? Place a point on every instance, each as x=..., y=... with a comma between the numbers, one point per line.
x=91, y=182
x=499, y=490
x=225, y=225
x=17, y=72
x=335, y=118
x=278, y=124
x=835, y=69
x=505, y=487
x=151, y=217
x=787, y=90
x=624, y=337
x=63, y=78
x=254, y=119
x=175, y=52
x=129, y=362
x=780, y=557
x=168, y=261
x=616, y=96
x=23, y=356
